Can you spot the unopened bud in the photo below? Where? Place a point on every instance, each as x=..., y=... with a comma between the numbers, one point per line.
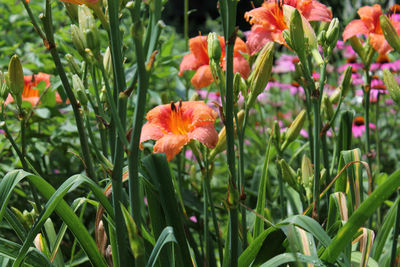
x=297, y=33
x=392, y=85
x=357, y=47
x=286, y=36
x=92, y=41
x=78, y=39
x=16, y=78
x=79, y=89
x=294, y=129
x=346, y=82
x=239, y=86
x=288, y=174
x=332, y=34
x=74, y=67
x=72, y=11
x=335, y=96
x=276, y=136
x=261, y=72
x=3, y=87
x=214, y=47
x=107, y=62
x=86, y=19
x=327, y=107
x=391, y=35
x=307, y=175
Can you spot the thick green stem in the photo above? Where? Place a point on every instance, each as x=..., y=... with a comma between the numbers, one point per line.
x=396, y=233
x=186, y=22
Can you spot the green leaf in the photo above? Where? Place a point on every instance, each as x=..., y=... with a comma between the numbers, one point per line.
x=284, y=258
x=56, y=202
x=167, y=235
x=135, y=241
x=356, y=257
x=366, y=209
x=259, y=223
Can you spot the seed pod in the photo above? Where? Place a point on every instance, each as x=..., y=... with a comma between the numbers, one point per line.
x=214, y=47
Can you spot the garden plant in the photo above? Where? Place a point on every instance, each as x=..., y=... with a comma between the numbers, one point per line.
x=126, y=142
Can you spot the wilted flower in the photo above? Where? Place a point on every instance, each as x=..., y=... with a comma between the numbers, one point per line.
x=269, y=22
x=369, y=25
x=176, y=124
x=198, y=60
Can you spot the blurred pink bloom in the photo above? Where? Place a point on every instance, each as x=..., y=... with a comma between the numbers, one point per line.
x=285, y=64
x=359, y=126
x=193, y=219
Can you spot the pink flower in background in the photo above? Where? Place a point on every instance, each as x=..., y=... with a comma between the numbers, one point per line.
x=285, y=63
x=359, y=126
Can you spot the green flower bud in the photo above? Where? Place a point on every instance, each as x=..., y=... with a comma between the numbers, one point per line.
x=78, y=40
x=107, y=62
x=86, y=19
x=288, y=174
x=72, y=11
x=16, y=78
x=286, y=36
x=334, y=98
x=391, y=35
x=80, y=90
x=322, y=37
x=357, y=47
x=346, y=82
x=327, y=107
x=307, y=174
x=294, y=129
x=74, y=67
x=214, y=47
x=3, y=86
x=261, y=72
x=239, y=85
x=332, y=34
x=391, y=85
x=92, y=41
x=277, y=133
x=297, y=33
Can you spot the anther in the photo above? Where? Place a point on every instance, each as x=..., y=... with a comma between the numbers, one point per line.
x=173, y=107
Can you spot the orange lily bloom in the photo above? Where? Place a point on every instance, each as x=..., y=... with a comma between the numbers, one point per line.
x=198, y=60
x=176, y=124
x=369, y=25
x=31, y=94
x=268, y=20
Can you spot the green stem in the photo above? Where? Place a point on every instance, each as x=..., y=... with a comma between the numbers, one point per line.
x=396, y=233
x=186, y=23
x=51, y=46
x=378, y=164
x=206, y=230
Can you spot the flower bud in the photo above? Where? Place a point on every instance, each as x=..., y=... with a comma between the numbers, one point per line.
x=346, y=82
x=92, y=41
x=86, y=19
x=214, y=47
x=16, y=78
x=307, y=175
x=72, y=11
x=276, y=136
x=297, y=33
x=107, y=61
x=391, y=85
x=78, y=40
x=357, y=47
x=80, y=90
x=3, y=86
x=332, y=34
x=261, y=72
x=327, y=107
x=286, y=36
x=334, y=98
x=391, y=35
x=294, y=129
x=239, y=86
x=74, y=67
x=288, y=174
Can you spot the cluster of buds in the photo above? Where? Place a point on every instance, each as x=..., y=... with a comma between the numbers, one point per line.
x=328, y=38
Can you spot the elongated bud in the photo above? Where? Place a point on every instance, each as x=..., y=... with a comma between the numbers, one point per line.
x=276, y=136
x=332, y=34
x=391, y=85
x=327, y=107
x=214, y=47
x=346, y=82
x=307, y=175
x=80, y=90
x=107, y=61
x=239, y=85
x=221, y=144
x=294, y=129
x=86, y=19
x=357, y=47
x=391, y=35
x=3, y=87
x=73, y=66
x=92, y=41
x=297, y=33
x=288, y=174
x=335, y=96
x=72, y=11
x=16, y=78
x=78, y=39
x=261, y=72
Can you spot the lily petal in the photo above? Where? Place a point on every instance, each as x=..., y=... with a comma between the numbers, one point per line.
x=354, y=28
x=206, y=135
x=171, y=145
x=202, y=77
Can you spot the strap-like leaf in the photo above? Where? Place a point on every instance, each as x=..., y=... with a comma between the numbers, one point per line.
x=166, y=236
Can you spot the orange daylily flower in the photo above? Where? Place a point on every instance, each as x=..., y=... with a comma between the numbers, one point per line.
x=369, y=25
x=30, y=93
x=198, y=60
x=176, y=124
x=268, y=20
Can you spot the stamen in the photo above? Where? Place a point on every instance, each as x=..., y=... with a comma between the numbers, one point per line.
x=173, y=107
x=180, y=104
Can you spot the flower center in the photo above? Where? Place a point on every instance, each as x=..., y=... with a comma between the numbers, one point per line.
x=359, y=121
x=178, y=123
